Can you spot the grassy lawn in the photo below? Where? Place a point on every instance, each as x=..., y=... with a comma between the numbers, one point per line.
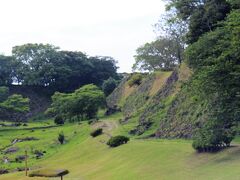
x=89, y=158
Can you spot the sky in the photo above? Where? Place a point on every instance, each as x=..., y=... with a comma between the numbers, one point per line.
x=113, y=28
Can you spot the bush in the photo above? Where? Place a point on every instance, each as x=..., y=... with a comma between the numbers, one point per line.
x=136, y=79
x=59, y=120
x=96, y=132
x=61, y=138
x=212, y=137
x=117, y=141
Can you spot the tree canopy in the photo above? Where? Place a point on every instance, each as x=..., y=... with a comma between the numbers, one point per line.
x=161, y=54
x=6, y=70
x=215, y=59
x=82, y=103
x=46, y=65
x=201, y=15
x=166, y=51
x=109, y=85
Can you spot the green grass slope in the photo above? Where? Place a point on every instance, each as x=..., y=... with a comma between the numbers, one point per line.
x=90, y=158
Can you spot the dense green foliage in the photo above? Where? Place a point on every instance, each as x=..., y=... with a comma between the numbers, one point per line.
x=213, y=53
x=46, y=65
x=117, y=141
x=82, y=103
x=109, y=85
x=218, y=75
x=202, y=16
x=207, y=105
x=14, y=107
x=4, y=93
x=96, y=132
x=14, y=104
x=5, y=70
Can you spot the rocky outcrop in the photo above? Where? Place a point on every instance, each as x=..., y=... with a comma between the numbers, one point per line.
x=115, y=97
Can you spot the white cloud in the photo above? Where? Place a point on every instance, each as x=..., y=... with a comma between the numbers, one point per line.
x=98, y=27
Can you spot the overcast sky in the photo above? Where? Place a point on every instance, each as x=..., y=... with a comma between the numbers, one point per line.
x=97, y=27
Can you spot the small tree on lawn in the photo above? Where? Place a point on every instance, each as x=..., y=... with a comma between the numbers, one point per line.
x=61, y=137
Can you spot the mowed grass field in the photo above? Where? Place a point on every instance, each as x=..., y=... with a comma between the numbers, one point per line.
x=90, y=158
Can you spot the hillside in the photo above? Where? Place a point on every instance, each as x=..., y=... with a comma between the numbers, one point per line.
x=163, y=105
x=90, y=158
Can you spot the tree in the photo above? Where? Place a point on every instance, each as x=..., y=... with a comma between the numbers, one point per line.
x=161, y=54
x=5, y=70
x=201, y=16
x=215, y=60
x=74, y=71
x=104, y=67
x=90, y=98
x=4, y=93
x=14, y=107
x=36, y=63
x=64, y=71
x=16, y=103
x=172, y=27
x=234, y=4
x=82, y=103
x=109, y=85
x=61, y=137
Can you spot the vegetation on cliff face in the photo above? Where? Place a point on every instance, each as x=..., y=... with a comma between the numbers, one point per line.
x=150, y=104
x=205, y=105
x=180, y=107
x=189, y=89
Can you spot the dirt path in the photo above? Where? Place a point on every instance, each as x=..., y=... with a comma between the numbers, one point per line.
x=107, y=126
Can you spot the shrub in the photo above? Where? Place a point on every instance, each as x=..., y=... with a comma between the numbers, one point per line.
x=117, y=141
x=59, y=120
x=136, y=79
x=61, y=138
x=96, y=132
x=212, y=137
